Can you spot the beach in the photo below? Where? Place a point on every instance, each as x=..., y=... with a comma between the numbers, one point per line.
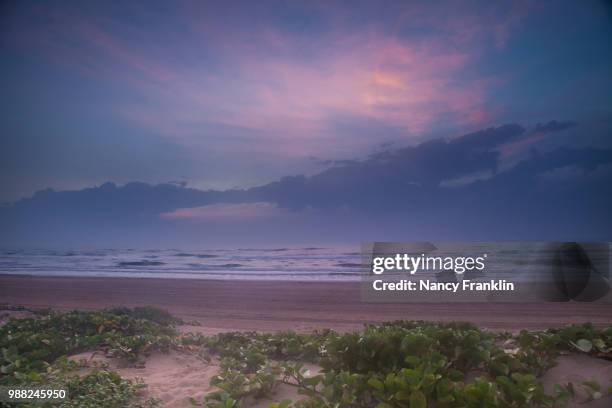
x=280, y=305
x=216, y=306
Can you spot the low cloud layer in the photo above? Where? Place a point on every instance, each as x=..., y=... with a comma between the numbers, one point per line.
x=554, y=192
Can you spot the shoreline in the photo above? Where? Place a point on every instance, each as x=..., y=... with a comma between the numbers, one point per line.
x=224, y=305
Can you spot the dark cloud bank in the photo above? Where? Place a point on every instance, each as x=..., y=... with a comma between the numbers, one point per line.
x=439, y=189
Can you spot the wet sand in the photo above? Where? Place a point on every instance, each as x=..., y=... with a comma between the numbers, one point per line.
x=256, y=305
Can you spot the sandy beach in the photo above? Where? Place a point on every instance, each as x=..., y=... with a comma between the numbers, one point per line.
x=258, y=305
x=220, y=306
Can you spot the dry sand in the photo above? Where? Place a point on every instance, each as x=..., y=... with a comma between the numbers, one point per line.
x=176, y=376
x=577, y=368
x=172, y=377
x=250, y=305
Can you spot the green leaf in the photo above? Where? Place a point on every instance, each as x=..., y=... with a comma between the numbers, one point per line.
x=403, y=395
x=600, y=345
x=283, y=404
x=583, y=345
x=412, y=360
x=376, y=384
x=594, y=385
x=418, y=400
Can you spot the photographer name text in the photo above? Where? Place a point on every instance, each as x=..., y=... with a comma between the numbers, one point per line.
x=454, y=287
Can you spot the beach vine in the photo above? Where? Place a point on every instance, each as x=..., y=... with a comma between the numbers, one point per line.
x=414, y=364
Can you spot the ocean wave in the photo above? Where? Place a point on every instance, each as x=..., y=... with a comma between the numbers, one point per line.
x=285, y=263
x=10, y=252
x=264, y=249
x=202, y=256
x=144, y=262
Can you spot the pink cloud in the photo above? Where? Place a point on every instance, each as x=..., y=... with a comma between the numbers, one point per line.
x=521, y=145
x=281, y=100
x=288, y=102
x=226, y=212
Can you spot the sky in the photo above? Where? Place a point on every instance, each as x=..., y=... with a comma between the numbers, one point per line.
x=290, y=106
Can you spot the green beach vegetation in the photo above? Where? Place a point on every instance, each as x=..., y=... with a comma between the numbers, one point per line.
x=412, y=364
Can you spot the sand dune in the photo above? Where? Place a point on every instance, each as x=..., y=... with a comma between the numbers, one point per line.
x=176, y=376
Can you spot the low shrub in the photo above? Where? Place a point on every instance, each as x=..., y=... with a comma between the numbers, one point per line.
x=29, y=345
x=399, y=364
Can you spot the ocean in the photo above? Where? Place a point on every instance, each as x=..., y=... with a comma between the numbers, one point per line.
x=514, y=261
x=303, y=264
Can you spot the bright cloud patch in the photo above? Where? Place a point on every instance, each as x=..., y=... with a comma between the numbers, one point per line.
x=226, y=212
